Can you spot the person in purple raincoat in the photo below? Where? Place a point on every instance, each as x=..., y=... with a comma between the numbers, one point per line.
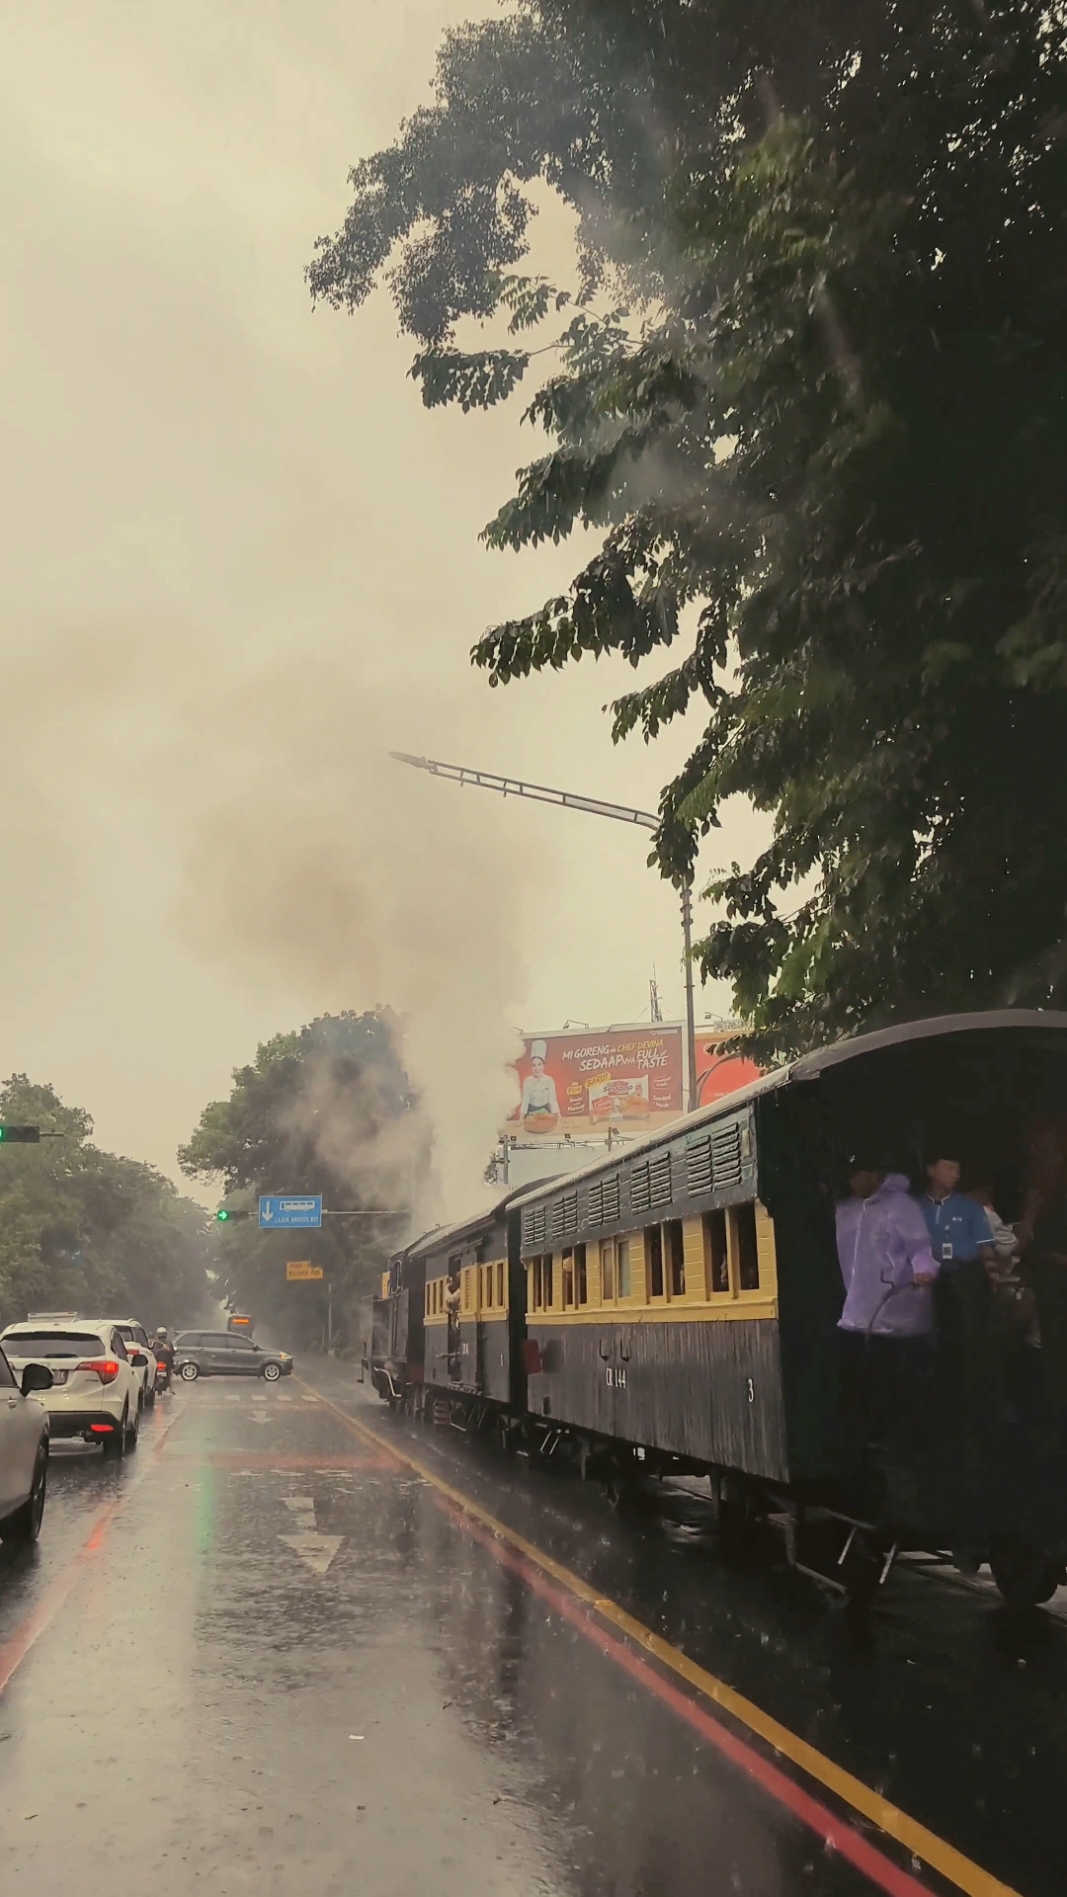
x=888, y=1270
x=885, y=1254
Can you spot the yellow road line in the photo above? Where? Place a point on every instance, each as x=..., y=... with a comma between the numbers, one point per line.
x=941, y=1856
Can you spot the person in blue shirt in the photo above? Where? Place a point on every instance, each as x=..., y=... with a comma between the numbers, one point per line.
x=959, y=1228
x=961, y=1239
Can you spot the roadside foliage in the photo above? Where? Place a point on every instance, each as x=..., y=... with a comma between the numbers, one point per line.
x=326, y=1109
x=808, y=387
x=83, y=1230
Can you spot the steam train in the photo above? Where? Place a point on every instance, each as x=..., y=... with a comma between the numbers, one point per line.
x=673, y=1308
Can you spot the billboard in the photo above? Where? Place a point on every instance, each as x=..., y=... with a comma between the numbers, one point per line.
x=717, y=1073
x=583, y=1084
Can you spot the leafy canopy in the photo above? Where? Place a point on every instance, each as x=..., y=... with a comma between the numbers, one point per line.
x=327, y=1109
x=812, y=395
x=85, y=1230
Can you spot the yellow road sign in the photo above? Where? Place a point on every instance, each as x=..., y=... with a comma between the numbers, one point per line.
x=302, y=1271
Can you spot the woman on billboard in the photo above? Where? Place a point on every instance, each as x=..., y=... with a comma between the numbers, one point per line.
x=540, y=1108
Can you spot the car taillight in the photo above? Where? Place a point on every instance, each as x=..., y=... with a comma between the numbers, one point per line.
x=106, y=1368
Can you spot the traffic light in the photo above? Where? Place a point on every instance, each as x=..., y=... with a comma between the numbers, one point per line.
x=226, y=1217
x=19, y=1135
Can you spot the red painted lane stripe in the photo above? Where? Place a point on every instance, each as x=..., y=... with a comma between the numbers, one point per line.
x=14, y=1651
x=836, y=1833
x=224, y=1459
x=27, y=1634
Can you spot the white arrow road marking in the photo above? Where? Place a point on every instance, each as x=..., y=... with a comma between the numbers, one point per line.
x=315, y=1550
x=260, y=1416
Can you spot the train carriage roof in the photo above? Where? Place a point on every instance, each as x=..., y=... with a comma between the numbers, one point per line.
x=809, y=1067
x=443, y=1237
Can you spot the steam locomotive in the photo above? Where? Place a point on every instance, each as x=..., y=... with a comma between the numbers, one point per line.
x=673, y=1308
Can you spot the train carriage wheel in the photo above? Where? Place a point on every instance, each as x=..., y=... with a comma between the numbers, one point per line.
x=1025, y=1575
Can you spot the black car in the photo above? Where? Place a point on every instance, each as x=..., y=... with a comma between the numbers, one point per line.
x=227, y=1354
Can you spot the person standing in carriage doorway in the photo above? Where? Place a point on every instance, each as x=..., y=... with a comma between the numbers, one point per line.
x=1043, y=1235
x=962, y=1241
x=453, y=1302
x=888, y=1270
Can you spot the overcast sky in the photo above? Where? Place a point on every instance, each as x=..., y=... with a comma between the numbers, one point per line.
x=240, y=565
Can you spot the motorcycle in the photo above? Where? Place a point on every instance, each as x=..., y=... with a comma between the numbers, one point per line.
x=163, y=1377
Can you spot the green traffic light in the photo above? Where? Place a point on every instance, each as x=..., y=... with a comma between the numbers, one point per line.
x=222, y=1216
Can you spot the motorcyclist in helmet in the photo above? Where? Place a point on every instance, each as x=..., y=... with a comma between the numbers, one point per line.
x=164, y=1350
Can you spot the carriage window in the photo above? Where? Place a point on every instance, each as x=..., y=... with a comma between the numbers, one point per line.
x=747, y=1250
x=717, y=1256
x=622, y=1267
x=654, y=1241
x=567, y=1268
x=500, y=1285
x=581, y=1275
x=607, y=1270
x=674, y=1241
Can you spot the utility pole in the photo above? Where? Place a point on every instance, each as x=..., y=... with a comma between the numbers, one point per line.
x=690, y=1005
x=593, y=807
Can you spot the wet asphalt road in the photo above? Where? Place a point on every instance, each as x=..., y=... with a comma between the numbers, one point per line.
x=264, y=1653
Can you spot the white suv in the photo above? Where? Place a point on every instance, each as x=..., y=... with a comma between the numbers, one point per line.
x=23, y=1451
x=95, y=1392
x=141, y=1354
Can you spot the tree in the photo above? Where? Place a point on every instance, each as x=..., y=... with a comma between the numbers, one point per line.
x=328, y=1109
x=812, y=395
x=85, y=1230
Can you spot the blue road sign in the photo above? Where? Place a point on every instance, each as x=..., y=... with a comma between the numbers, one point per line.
x=283, y=1212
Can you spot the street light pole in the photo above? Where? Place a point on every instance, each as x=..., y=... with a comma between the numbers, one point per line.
x=593, y=807
x=690, y=1002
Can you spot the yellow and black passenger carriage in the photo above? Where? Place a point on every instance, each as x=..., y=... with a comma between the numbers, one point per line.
x=652, y=1301
x=464, y=1345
